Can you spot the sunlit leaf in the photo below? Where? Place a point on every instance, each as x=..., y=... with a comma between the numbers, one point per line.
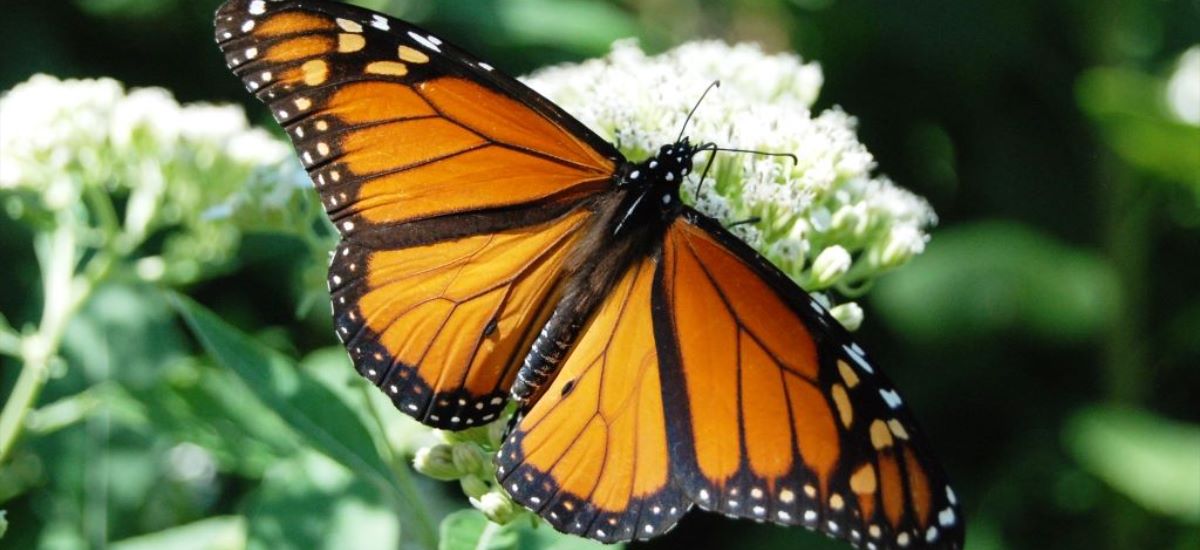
x=469, y=530
x=306, y=405
x=309, y=501
x=214, y=533
x=1152, y=460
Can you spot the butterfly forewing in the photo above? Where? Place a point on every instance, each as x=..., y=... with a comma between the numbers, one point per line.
x=457, y=192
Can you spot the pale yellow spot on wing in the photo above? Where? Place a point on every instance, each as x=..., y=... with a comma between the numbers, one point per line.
x=863, y=481
x=390, y=68
x=842, y=400
x=323, y=148
x=848, y=374
x=303, y=103
x=836, y=502
x=350, y=42
x=787, y=496
x=348, y=25
x=322, y=125
x=412, y=55
x=881, y=438
x=898, y=429
x=315, y=72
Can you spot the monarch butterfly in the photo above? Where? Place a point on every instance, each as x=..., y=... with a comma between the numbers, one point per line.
x=494, y=248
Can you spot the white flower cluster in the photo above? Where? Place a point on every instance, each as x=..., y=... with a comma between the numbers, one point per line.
x=825, y=219
x=50, y=126
x=163, y=164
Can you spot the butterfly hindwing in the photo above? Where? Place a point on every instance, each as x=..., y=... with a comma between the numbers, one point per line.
x=776, y=413
x=591, y=456
x=456, y=191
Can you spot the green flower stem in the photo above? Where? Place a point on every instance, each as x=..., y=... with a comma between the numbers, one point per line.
x=64, y=293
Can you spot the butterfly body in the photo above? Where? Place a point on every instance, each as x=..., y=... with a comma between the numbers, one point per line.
x=492, y=246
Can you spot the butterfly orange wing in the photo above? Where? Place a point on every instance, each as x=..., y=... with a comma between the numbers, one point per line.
x=776, y=414
x=458, y=192
x=592, y=454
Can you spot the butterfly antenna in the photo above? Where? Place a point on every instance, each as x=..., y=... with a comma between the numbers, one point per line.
x=715, y=84
x=762, y=153
x=713, y=149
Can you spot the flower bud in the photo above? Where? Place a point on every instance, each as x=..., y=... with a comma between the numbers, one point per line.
x=437, y=462
x=473, y=486
x=468, y=458
x=849, y=314
x=496, y=506
x=903, y=242
x=830, y=265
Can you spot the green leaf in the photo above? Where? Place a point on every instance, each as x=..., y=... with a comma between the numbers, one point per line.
x=309, y=408
x=470, y=530
x=585, y=26
x=993, y=277
x=310, y=501
x=215, y=533
x=1152, y=460
x=1129, y=108
x=3, y=522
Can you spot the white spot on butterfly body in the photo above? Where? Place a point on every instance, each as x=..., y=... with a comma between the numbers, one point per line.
x=891, y=398
x=670, y=176
x=666, y=199
x=257, y=7
x=379, y=22
x=424, y=41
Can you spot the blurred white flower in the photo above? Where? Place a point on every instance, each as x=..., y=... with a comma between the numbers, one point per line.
x=828, y=197
x=1183, y=90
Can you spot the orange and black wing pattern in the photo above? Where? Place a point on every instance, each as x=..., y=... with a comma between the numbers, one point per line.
x=775, y=414
x=457, y=191
x=592, y=454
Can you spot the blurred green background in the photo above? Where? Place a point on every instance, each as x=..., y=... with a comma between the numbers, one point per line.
x=1048, y=339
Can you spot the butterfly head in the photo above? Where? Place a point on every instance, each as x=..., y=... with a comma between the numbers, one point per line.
x=665, y=170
